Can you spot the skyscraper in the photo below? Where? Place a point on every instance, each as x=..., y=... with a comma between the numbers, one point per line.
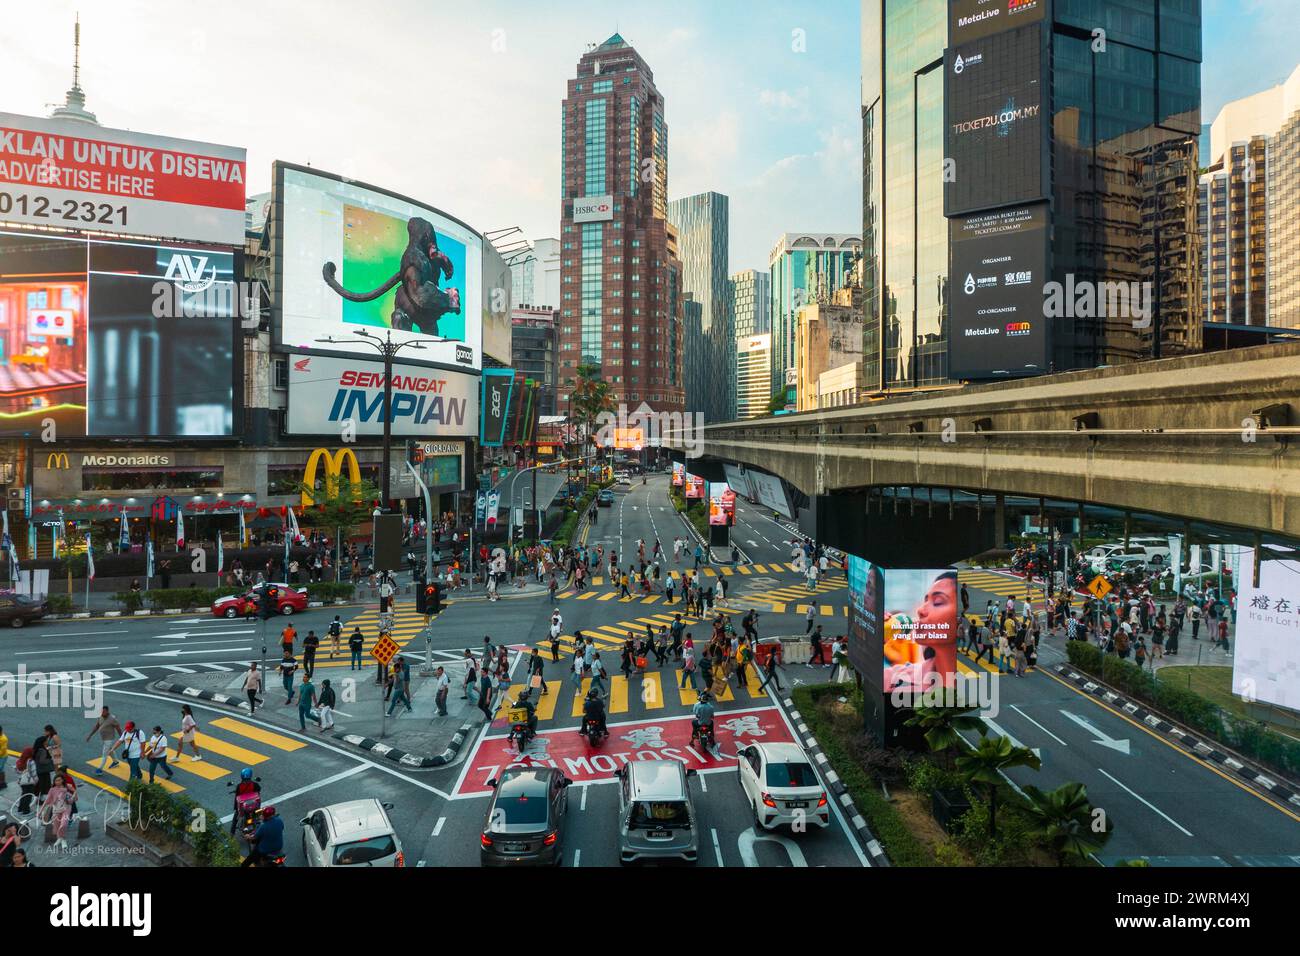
x=988, y=128
x=702, y=234
x=619, y=275
x=751, y=303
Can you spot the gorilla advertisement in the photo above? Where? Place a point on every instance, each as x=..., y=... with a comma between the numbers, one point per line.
x=352, y=258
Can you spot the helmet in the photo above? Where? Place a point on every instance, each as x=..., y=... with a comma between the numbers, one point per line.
x=268, y=812
x=246, y=774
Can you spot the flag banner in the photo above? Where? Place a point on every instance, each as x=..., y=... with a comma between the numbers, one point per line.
x=293, y=524
x=243, y=540
x=90, y=560
x=221, y=556
x=180, y=530
x=148, y=558
x=123, y=536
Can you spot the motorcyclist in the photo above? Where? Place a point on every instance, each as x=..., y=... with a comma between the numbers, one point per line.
x=594, y=710
x=702, y=714
x=525, y=701
x=245, y=786
x=268, y=839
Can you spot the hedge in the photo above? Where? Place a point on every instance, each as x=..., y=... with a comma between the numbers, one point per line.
x=903, y=848
x=1251, y=738
x=182, y=820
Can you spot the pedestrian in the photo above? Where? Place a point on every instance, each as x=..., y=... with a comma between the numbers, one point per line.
x=335, y=633
x=306, y=700
x=965, y=600
x=769, y=673
x=287, y=637
x=355, y=643
x=688, y=668
x=287, y=668
x=818, y=651
x=132, y=744
x=309, y=645
x=668, y=589
x=253, y=686
x=1223, y=634
x=442, y=684
x=597, y=674
x=4, y=758
x=677, y=630
x=109, y=731
x=536, y=667
x=742, y=657
x=809, y=616
x=188, y=735
x=325, y=704
x=155, y=749
x=837, y=661
x=1021, y=659
x=576, y=675
x=400, y=690
x=485, y=693
x=57, y=810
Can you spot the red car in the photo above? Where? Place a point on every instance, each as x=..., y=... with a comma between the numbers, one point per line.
x=290, y=601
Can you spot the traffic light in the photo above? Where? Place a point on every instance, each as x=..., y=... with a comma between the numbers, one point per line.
x=414, y=452
x=434, y=595
x=421, y=596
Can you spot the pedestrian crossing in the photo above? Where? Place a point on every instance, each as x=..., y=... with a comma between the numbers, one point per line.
x=707, y=571
x=781, y=600
x=407, y=625
x=1007, y=586
x=227, y=746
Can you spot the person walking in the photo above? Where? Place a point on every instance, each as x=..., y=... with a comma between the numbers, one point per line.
x=54, y=743
x=965, y=600
x=325, y=705
x=4, y=758
x=109, y=730
x=818, y=651
x=557, y=622
x=309, y=645
x=442, y=686
x=188, y=735
x=335, y=633
x=56, y=810
x=743, y=655
x=597, y=674
x=485, y=693
x=688, y=668
x=132, y=743
x=400, y=689
x=287, y=637
x=809, y=617
x=770, y=675
x=669, y=587
x=155, y=749
x=253, y=686
x=577, y=672
x=306, y=700
x=470, y=681
x=355, y=643
x=288, y=666
x=535, y=671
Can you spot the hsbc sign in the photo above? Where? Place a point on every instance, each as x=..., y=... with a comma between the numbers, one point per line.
x=593, y=209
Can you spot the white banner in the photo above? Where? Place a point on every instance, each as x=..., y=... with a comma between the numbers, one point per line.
x=1266, y=659
x=1176, y=560
x=770, y=492
x=325, y=392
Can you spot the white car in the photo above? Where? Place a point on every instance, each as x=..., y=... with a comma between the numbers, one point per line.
x=624, y=481
x=356, y=833
x=781, y=787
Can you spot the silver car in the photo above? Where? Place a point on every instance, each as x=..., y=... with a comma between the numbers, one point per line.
x=356, y=833
x=656, y=818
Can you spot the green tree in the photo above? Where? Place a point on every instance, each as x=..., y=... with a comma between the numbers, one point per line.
x=339, y=507
x=777, y=402
x=986, y=762
x=591, y=398
x=941, y=725
x=1067, y=821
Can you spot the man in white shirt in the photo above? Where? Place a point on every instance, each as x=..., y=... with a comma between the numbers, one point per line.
x=385, y=595
x=442, y=684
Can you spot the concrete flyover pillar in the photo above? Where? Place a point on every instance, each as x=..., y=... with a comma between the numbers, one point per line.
x=1000, y=521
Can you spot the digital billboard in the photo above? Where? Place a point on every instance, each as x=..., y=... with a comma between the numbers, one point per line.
x=694, y=486
x=326, y=391
x=975, y=19
x=998, y=268
x=498, y=385
x=722, y=504
x=352, y=258
x=679, y=474
x=72, y=175
x=865, y=642
x=117, y=339
x=1266, y=655
x=919, y=630
x=995, y=130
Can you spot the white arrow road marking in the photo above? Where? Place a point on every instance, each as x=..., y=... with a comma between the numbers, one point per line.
x=748, y=838
x=1101, y=738
x=67, y=650
x=1147, y=802
x=752, y=543
x=181, y=634
x=717, y=847
x=234, y=640
x=178, y=652
x=118, y=630
x=1015, y=743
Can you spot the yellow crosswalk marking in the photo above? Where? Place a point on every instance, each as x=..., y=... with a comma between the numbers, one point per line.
x=546, y=702
x=204, y=769
x=122, y=772
x=652, y=690
x=828, y=611
x=598, y=580
x=608, y=595
x=760, y=569
x=580, y=697
x=650, y=600
x=239, y=754
x=617, y=695
x=564, y=594
x=744, y=570
x=586, y=595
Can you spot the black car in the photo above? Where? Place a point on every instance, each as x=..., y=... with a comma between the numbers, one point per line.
x=18, y=609
x=525, y=818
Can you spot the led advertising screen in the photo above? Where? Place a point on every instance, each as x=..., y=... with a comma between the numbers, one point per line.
x=722, y=504
x=694, y=486
x=995, y=121
x=1266, y=655
x=919, y=630
x=997, y=271
x=975, y=19
x=498, y=385
x=71, y=175
x=326, y=391
x=116, y=339
x=352, y=258
x=866, y=597
x=679, y=474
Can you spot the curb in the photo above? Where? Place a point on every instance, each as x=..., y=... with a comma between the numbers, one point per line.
x=174, y=612
x=856, y=820
x=368, y=744
x=1234, y=765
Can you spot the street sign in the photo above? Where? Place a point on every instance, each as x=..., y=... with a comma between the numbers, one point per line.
x=1099, y=587
x=384, y=650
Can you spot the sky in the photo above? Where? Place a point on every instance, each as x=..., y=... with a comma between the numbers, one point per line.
x=458, y=105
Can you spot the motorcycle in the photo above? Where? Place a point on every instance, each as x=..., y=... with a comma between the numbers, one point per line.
x=248, y=806
x=271, y=863
x=703, y=734
x=592, y=730
x=519, y=732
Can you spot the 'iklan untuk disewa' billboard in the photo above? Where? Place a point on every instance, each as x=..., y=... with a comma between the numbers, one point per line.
x=71, y=175
x=325, y=392
x=1266, y=660
x=353, y=258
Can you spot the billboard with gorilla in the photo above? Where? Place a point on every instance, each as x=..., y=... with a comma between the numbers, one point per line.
x=352, y=258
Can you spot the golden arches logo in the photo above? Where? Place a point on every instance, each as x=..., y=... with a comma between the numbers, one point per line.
x=57, y=459
x=333, y=469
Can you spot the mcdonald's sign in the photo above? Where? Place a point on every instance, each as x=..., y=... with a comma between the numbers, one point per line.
x=57, y=459
x=333, y=469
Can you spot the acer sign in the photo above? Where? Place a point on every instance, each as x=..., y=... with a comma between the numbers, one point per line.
x=326, y=393
x=593, y=209
x=63, y=173
x=81, y=320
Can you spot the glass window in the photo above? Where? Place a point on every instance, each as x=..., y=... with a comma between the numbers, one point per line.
x=647, y=815
x=120, y=479
x=364, y=851
x=791, y=775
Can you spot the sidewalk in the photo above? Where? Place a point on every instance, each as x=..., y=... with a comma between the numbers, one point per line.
x=416, y=737
x=98, y=849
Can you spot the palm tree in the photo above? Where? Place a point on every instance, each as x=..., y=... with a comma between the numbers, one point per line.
x=591, y=397
x=987, y=761
x=941, y=725
x=1065, y=819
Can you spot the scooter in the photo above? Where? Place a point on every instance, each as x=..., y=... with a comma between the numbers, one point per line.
x=271, y=863
x=248, y=806
x=592, y=730
x=703, y=734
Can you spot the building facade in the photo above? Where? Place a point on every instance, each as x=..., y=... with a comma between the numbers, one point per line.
x=751, y=303
x=1117, y=151
x=753, y=375
x=830, y=336
x=620, y=279
x=535, y=275
x=803, y=268
x=533, y=347
x=1249, y=195
x=702, y=228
